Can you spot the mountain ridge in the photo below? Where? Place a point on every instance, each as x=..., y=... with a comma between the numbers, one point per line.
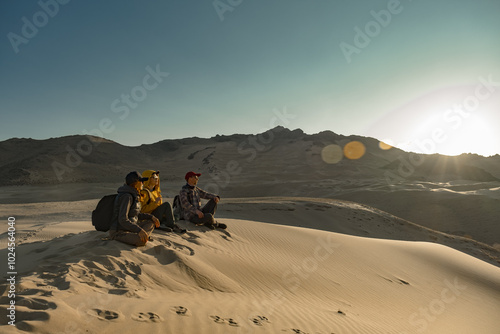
x=81, y=158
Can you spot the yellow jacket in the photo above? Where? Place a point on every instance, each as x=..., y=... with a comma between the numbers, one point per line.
x=149, y=197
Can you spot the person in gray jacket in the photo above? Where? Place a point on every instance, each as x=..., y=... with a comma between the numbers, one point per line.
x=129, y=224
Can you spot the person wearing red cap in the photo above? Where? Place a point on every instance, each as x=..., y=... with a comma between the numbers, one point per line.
x=190, y=198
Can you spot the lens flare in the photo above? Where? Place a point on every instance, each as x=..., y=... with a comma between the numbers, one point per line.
x=332, y=154
x=384, y=145
x=354, y=150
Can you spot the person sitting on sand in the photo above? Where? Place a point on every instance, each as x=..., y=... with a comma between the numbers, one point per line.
x=190, y=196
x=129, y=224
x=152, y=202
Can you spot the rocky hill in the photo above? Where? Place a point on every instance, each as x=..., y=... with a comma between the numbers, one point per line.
x=276, y=155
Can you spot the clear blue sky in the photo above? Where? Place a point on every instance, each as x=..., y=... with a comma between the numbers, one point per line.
x=233, y=64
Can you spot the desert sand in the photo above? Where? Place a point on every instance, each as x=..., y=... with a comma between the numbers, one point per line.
x=284, y=265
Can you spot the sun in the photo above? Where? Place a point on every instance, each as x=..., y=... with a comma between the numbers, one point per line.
x=474, y=135
x=470, y=134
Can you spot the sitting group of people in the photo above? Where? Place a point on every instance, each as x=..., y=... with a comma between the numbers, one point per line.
x=139, y=208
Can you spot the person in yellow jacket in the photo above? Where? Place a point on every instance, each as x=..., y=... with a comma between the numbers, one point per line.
x=152, y=202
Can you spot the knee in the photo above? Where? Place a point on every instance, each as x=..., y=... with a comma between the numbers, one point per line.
x=149, y=226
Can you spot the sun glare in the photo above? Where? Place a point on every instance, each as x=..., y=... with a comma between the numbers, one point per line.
x=386, y=144
x=332, y=154
x=472, y=134
x=354, y=150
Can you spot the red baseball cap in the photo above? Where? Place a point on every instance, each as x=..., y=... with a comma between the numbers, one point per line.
x=190, y=174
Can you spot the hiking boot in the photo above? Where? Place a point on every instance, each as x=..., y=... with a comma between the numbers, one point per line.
x=220, y=225
x=179, y=230
x=209, y=225
x=164, y=228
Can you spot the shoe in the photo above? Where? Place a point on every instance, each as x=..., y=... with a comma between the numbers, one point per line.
x=150, y=239
x=210, y=226
x=220, y=225
x=164, y=228
x=179, y=230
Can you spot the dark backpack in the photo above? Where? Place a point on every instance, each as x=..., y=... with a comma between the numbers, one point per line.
x=177, y=208
x=102, y=216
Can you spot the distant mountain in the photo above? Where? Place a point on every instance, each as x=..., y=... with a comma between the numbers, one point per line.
x=277, y=155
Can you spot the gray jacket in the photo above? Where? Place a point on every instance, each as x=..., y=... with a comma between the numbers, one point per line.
x=127, y=210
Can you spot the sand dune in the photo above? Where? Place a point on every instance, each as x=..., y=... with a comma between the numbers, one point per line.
x=53, y=219
x=253, y=278
x=353, y=219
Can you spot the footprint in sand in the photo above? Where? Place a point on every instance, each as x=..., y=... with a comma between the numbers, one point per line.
x=147, y=317
x=259, y=320
x=296, y=331
x=105, y=314
x=403, y=282
x=229, y=321
x=38, y=292
x=180, y=310
x=217, y=319
x=35, y=303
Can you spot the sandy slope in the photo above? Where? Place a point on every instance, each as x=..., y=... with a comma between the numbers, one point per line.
x=468, y=209
x=45, y=221
x=254, y=278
